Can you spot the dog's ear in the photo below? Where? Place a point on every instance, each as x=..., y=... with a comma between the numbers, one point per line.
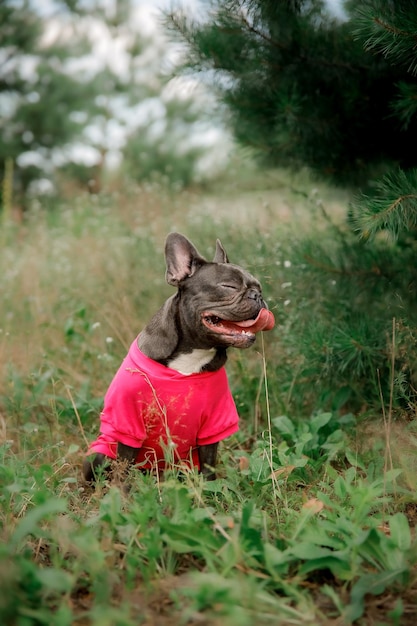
x=220, y=256
x=182, y=258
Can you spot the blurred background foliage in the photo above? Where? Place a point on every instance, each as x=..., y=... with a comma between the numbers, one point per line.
x=85, y=91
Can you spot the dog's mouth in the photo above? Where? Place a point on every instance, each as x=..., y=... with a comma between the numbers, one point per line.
x=263, y=321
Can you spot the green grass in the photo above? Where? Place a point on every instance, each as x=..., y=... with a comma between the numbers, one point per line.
x=311, y=520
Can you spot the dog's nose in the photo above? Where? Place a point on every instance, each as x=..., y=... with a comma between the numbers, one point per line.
x=254, y=294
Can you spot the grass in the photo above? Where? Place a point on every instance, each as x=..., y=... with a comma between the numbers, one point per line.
x=307, y=523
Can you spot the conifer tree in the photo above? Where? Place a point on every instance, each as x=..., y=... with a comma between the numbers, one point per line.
x=341, y=98
x=301, y=88
x=389, y=30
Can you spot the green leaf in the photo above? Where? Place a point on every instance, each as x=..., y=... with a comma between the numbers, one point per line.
x=341, y=397
x=304, y=550
x=197, y=538
x=332, y=594
x=400, y=531
x=29, y=524
x=339, y=487
x=372, y=547
x=353, y=459
x=318, y=421
x=215, y=486
x=303, y=439
x=374, y=584
x=201, y=514
x=246, y=515
x=181, y=505
x=339, y=567
x=55, y=579
x=276, y=558
x=259, y=466
x=284, y=425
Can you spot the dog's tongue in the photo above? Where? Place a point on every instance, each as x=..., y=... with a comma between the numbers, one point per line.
x=264, y=321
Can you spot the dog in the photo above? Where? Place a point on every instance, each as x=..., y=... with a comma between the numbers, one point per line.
x=170, y=402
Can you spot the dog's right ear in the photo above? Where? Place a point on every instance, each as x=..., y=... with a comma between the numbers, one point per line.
x=221, y=254
x=182, y=258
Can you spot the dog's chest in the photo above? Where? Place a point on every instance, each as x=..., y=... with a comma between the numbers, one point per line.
x=192, y=362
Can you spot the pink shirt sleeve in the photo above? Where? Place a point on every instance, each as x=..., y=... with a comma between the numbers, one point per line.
x=220, y=420
x=121, y=419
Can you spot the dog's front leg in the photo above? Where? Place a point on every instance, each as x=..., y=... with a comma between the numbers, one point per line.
x=126, y=457
x=208, y=456
x=94, y=465
x=117, y=470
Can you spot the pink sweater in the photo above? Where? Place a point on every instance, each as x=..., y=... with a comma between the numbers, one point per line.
x=164, y=413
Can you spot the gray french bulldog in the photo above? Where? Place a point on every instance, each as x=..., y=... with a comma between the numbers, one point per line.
x=170, y=403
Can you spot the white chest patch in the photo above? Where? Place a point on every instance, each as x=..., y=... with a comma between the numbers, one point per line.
x=193, y=362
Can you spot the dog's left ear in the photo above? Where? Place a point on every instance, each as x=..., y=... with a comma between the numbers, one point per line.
x=220, y=256
x=182, y=258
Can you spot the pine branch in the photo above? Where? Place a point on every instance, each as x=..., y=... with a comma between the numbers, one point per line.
x=341, y=271
x=261, y=34
x=405, y=106
x=391, y=33
x=394, y=207
x=231, y=25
